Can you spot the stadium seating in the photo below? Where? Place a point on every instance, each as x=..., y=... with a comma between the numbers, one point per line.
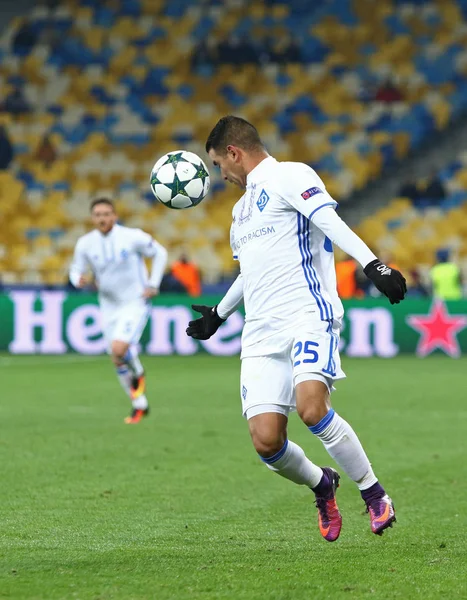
x=114, y=85
x=412, y=236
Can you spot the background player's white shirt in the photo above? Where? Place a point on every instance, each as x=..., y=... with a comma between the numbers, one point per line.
x=287, y=263
x=117, y=262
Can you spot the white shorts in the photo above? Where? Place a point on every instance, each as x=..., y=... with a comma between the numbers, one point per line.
x=267, y=383
x=125, y=324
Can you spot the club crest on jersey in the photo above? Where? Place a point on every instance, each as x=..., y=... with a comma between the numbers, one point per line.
x=262, y=201
x=311, y=192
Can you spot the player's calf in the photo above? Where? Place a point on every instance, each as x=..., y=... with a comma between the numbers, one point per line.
x=269, y=435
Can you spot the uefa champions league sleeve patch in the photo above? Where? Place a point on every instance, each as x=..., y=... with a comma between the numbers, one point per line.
x=311, y=192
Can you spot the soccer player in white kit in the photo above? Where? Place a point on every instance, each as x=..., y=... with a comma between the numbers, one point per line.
x=115, y=256
x=282, y=233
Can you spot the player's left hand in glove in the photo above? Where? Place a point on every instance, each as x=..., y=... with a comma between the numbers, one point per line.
x=388, y=281
x=207, y=325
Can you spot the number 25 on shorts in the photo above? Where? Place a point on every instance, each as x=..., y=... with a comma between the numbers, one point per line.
x=311, y=355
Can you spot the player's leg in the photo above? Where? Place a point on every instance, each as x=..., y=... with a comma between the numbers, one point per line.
x=124, y=362
x=123, y=375
x=267, y=395
x=109, y=321
x=268, y=433
x=127, y=333
x=312, y=391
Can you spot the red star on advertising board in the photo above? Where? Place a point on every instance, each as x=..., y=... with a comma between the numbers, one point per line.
x=438, y=329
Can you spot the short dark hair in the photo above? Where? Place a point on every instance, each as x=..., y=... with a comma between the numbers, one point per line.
x=106, y=201
x=235, y=131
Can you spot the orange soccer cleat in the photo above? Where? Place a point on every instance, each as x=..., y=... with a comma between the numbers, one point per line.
x=136, y=415
x=382, y=514
x=329, y=517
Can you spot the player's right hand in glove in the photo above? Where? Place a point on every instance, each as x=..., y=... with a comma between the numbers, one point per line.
x=207, y=325
x=388, y=281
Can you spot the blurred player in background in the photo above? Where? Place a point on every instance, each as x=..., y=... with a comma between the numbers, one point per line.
x=115, y=256
x=282, y=234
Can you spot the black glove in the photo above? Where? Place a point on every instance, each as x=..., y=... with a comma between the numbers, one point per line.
x=207, y=325
x=389, y=282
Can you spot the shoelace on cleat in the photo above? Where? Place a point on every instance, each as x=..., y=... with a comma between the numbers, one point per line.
x=369, y=506
x=326, y=511
x=322, y=506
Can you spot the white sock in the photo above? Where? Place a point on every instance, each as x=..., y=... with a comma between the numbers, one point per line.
x=124, y=377
x=132, y=360
x=290, y=462
x=136, y=368
x=141, y=402
x=343, y=445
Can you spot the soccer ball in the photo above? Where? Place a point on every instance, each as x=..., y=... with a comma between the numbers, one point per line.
x=180, y=179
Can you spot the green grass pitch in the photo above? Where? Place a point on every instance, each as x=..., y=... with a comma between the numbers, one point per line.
x=179, y=507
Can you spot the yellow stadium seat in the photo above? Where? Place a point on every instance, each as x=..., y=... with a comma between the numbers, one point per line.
x=152, y=7
x=358, y=166
x=334, y=187
x=47, y=120
x=19, y=224
x=17, y=252
x=450, y=11
x=41, y=242
x=127, y=28
x=52, y=263
x=5, y=118
x=83, y=12
x=401, y=141
x=121, y=63
x=380, y=137
x=56, y=198
x=375, y=163
x=95, y=38
x=372, y=229
x=442, y=113
x=461, y=177
x=402, y=203
x=58, y=277
x=280, y=11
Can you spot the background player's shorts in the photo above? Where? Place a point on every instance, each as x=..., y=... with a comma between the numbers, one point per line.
x=125, y=324
x=268, y=383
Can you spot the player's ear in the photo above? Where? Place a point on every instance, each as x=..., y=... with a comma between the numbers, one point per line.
x=234, y=153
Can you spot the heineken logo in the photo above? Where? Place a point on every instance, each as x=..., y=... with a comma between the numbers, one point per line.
x=54, y=322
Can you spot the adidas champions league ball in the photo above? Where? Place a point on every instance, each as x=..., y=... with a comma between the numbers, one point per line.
x=180, y=179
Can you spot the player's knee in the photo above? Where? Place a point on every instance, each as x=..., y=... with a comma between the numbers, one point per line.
x=119, y=349
x=312, y=412
x=267, y=443
x=312, y=402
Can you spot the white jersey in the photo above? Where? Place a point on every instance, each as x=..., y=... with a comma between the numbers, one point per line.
x=286, y=262
x=117, y=262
